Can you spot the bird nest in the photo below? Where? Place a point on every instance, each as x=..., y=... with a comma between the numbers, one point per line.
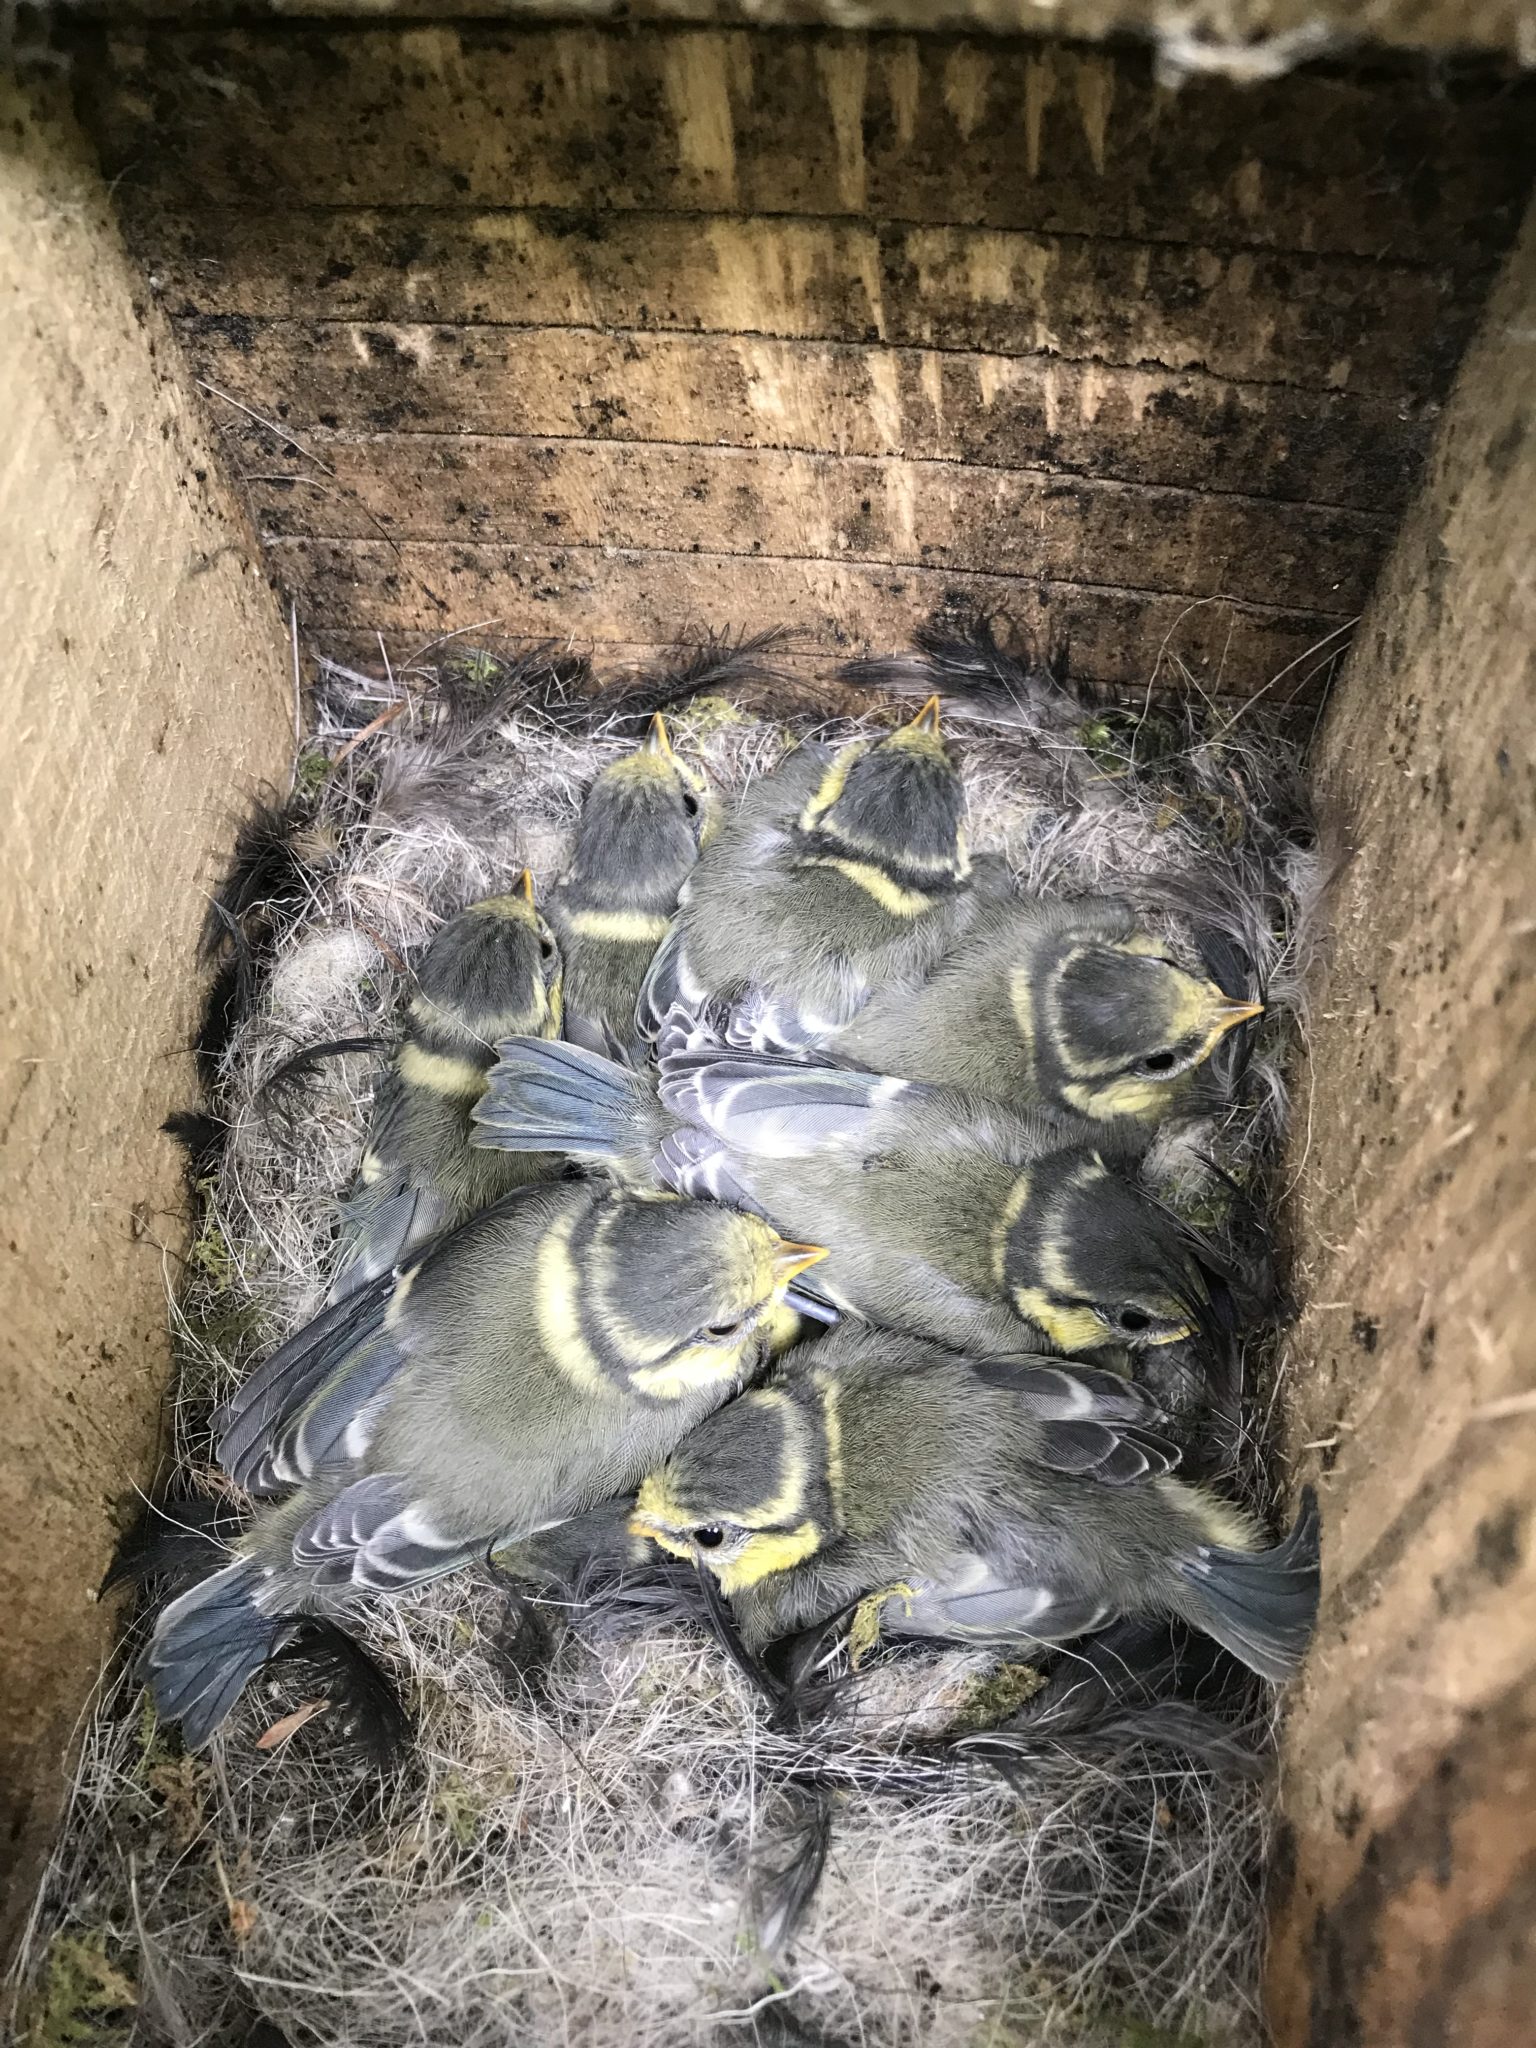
x=611, y=1841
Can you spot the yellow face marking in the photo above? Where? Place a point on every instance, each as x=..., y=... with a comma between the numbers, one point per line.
x=371, y=1168
x=1021, y=994
x=700, y=1365
x=782, y=1326
x=875, y=882
x=439, y=1075
x=556, y=1296
x=636, y=927
x=1012, y=1210
x=832, y=1427
x=761, y=1556
x=1133, y=1096
x=1072, y=1329
x=541, y=1019
x=831, y=786
x=516, y=909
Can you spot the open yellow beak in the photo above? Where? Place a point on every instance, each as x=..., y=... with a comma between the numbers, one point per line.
x=525, y=885
x=658, y=740
x=1173, y=1336
x=791, y=1259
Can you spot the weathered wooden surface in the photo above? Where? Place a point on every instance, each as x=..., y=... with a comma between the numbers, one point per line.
x=860, y=325
x=148, y=692
x=1406, y=1900
x=1244, y=39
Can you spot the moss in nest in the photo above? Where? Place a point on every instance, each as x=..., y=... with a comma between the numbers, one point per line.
x=82, y=1997
x=311, y=771
x=995, y=1697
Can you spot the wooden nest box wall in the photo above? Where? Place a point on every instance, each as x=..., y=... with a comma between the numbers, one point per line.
x=607, y=330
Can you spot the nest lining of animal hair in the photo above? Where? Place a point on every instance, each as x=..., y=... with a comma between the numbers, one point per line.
x=603, y=1844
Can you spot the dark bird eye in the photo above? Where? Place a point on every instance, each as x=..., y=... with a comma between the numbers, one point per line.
x=1135, y=1320
x=546, y=948
x=723, y=1330
x=690, y=802
x=1157, y=1062
x=710, y=1538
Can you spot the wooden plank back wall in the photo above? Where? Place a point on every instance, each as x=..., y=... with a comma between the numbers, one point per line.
x=609, y=331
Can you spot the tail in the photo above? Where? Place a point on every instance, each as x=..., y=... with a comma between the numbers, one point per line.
x=207, y=1646
x=1261, y=1605
x=544, y=1096
x=979, y=679
x=175, y=1541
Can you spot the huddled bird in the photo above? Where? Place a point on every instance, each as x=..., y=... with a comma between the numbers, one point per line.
x=809, y=1062
x=840, y=873
x=1013, y=1502
x=639, y=833
x=945, y=1214
x=533, y=1363
x=491, y=971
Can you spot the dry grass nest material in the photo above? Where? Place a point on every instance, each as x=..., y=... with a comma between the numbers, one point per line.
x=596, y=1856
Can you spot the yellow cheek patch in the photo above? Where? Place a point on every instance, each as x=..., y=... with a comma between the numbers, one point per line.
x=371, y=1169
x=831, y=786
x=775, y=1550
x=832, y=1429
x=631, y=927
x=440, y=1075
x=1132, y=1097
x=782, y=1328
x=1072, y=1329
x=701, y=1365
x=877, y=883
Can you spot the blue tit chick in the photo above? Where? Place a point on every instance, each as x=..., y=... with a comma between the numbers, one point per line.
x=638, y=836
x=532, y=1364
x=1067, y=1006
x=961, y=1220
x=839, y=874
x=1011, y=1503
x=493, y=969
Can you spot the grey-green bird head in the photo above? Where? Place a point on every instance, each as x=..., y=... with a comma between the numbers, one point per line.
x=895, y=804
x=752, y=1491
x=640, y=830
x=492, y=972
x=1087, y=1255
x=662, y=1295
x=1118, y=1027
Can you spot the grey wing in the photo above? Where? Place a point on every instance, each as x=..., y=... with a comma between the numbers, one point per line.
x=382, y=1224
x=335, y=1426
x=375, y=1536
x=669, y=984
x=289, y=1379
x=974, y=1602
x=775, y=1107
x=1091, y=1424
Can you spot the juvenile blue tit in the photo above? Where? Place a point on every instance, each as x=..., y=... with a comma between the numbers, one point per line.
x=1003, y=1503
x=534, y=1363
x=493, y=969
x=1070, y=1006
x=839, y=873
x=639, y=834
x=983, y=1227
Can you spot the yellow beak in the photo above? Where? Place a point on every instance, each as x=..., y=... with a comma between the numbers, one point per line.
x=1173, y=1336
x=525, y=885
x=657, y=739
x=927, y=720
x=791, y=1259
x=1230, y=1015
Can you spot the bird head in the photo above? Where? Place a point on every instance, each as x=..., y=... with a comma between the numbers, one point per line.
x=897, y=802
x=642, y=824
x=747, y=1494
x=1092, y=1259
x=1128, y=1026
x=493, y=972
x=663, y=1296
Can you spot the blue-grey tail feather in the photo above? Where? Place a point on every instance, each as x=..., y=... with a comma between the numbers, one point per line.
x=544, y=1096
x=1260, y=1605
x=207, y=1646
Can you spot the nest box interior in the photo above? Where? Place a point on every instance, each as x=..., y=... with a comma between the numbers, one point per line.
x=336, y=336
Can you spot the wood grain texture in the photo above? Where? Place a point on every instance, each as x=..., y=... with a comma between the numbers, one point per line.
x=1404, y=1907
x=1144, y=425
x=1046, y=137
x=1324, y=323
x=611, y=329
x=1119, y=637
x=767, y=503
